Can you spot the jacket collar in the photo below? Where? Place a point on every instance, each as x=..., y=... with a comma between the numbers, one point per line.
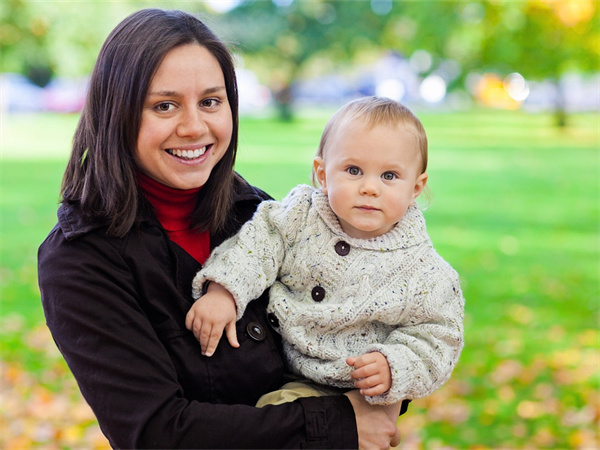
x=74, y=222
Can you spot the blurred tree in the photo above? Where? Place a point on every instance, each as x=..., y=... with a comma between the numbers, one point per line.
x=23, y=42
x=283, y=38
x=42, y=39
x=541, y=39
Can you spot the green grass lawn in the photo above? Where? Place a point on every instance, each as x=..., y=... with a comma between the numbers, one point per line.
x=514, y=209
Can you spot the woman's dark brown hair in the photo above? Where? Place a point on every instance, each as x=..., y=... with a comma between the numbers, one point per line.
x=101, y=173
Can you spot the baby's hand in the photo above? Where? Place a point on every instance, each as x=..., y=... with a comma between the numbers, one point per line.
x=372, y=372
x=209, y=315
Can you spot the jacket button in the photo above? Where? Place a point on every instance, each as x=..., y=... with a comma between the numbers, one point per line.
x=318, y=294
x=273, y=320
x=256, y=332
x=342, y=248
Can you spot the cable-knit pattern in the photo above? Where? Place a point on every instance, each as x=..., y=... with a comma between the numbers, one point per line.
x=393, y=293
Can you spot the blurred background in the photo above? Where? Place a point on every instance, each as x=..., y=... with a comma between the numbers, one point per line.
x=537, y=54
x=509, y=93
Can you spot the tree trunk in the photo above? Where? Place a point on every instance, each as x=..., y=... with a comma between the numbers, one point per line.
x=283, y=100
x=560, y=113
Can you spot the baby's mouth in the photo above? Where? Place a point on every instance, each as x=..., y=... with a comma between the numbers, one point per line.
x=188, y=154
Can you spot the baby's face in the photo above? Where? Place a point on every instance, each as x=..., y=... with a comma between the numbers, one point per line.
x=371, y=176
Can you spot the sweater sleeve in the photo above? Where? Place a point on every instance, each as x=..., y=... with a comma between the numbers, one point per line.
x=423, y=351
x=249, y=262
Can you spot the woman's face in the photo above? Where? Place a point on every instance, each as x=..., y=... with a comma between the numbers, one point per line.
x=186, y=119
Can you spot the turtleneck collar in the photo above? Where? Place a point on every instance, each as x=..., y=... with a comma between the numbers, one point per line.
x=173, y=207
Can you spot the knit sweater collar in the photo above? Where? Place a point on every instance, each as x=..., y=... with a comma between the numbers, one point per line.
x=410, y=231
x=173, y=207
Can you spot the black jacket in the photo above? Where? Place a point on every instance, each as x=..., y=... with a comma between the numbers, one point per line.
x=116, y=308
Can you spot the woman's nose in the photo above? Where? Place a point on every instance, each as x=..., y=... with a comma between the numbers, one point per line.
x=192, y=124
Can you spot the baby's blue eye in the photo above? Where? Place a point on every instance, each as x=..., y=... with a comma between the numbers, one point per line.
x=388, y=176
x=353, y=170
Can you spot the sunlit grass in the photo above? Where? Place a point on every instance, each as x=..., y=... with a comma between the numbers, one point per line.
x=514, y=209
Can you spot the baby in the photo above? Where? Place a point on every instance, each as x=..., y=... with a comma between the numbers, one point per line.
x=357, y=292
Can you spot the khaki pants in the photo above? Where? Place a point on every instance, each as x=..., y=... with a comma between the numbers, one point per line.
x=295, y=390
x=305, y=388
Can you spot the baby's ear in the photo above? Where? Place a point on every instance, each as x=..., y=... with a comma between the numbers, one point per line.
x=319, y=173
x=420, y=185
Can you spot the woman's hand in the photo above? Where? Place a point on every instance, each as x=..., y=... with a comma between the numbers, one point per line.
x=376, y=424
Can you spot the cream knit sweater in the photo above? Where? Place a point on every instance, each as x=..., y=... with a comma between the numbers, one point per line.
x=392, y=294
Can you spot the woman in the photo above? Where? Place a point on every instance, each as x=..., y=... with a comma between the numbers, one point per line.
x=148, y=191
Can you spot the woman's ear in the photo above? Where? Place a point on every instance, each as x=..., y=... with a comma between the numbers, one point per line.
x=420, y=185
x=319, y=170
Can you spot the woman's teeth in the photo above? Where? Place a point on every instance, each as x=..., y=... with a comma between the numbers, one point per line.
x=187, y=154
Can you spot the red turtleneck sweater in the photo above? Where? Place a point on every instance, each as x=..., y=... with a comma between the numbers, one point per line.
x=173, y=208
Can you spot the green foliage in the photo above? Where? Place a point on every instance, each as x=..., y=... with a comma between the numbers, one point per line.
x=61, y=38
x=515, y=210
x=540, y=39
x=534, y=37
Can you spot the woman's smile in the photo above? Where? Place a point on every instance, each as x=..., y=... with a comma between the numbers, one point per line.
x=189, y=154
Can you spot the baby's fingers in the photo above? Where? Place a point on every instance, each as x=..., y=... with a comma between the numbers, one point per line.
x=209, y=338
x=368, y=382
x=194, y=324
x=363, y=372
x=232, y=335
x=374, y=390
x=373, y=385
x=189, y=320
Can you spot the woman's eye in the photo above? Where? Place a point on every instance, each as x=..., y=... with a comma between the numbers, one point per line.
x=164, y=107
x=210, y=103
x=353, y=170
x=389, y=176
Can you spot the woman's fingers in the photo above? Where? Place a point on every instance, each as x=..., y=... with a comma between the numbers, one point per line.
x=396, y=439
x=376, y=425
